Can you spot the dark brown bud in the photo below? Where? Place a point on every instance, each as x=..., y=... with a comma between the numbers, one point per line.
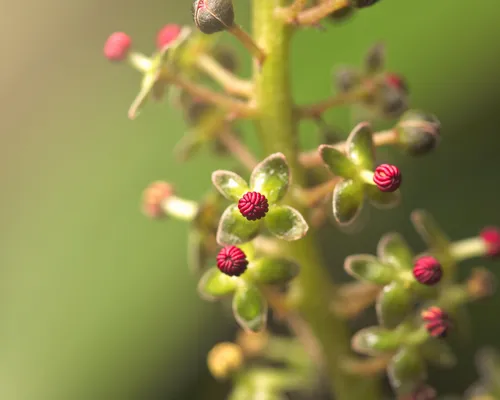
x=419, y=132
x=211, y=16
x=375, y=58
x=341, y=14
x=364, y=3
x=346, y=79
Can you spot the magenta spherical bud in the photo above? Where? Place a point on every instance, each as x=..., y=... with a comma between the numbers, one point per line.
x=427, y=270
x=437, y=322
x=117, y=46
x=232, y=261
x=167, y=35
x=387, y=177
x=253, y=206
x=491, y=237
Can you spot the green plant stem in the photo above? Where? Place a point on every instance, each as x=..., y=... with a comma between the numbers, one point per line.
x=277, y=129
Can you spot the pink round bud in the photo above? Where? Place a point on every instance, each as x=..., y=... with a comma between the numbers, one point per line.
x=117, y=46
x=387, y=177
x=153, y=197
x=396, y=81
x=232, y=261
x=437, y=322
x=167, y=35
x=427, y=270
x=491, y=237
x=253, y=206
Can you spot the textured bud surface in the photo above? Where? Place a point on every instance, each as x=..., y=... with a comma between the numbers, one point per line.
x=167, y=35
x=491, y=237
x=387, y=177
x=427, y=270
x=232, y=261
x=253, y=206
x=117, y=46
x=211, y=16
x=437, y=322
x=153, y=197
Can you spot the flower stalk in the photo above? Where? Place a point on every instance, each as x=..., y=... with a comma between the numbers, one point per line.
x=277, y=130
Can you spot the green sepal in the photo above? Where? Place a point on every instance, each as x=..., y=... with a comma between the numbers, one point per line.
x=366, y=267
x=348, y=198
x=429, y=231
x=214, y=284
x=438, y=352
x=383, y=200
x=250, y=308
x=271, y=177
x=229, y=184
x=375, y=340
x=360, y=148
x=272, y=270
x=234, y=228
x=337, y=162
x=286, y=223
x=392, y=249
x=406, y=370
x=394, y=304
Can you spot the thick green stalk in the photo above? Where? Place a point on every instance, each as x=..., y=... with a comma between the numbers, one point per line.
x=277, y=130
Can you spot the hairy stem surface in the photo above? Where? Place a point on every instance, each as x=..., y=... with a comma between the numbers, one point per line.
x=277, y=129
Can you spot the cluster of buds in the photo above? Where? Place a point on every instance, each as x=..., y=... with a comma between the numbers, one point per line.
x=421, y=286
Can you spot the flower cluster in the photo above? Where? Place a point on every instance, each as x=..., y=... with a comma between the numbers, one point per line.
x=420, y=299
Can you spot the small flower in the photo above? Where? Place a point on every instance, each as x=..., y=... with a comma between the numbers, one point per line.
x=168, y=34
x=427, y=270
x=387, y=177
x=437, y=322
x=117, y=46
x=253, y=206
x=224, y=359
x=153, y=198
x=491, y=238
x=232, y=261
x=355, y=165
x=211, y=16
x=256, y=204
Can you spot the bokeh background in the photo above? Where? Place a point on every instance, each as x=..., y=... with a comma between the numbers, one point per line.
x=96, y=301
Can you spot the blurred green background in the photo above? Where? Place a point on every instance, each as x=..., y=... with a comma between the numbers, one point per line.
x=96, y=301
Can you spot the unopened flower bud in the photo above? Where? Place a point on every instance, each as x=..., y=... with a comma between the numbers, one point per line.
x=387, y=177
x=375, y=58
x=341, y=14
x=167, y=35
x=418, y=132
x=427, y=270
x=491, y=238
x=437, y=322
x=363, y=3
x=117, y=46
x=253, y=206
x=211, y=16
x=224, y=359
x=154, y=196
x=346, y=79
x=232, y=261
x=392, y=96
